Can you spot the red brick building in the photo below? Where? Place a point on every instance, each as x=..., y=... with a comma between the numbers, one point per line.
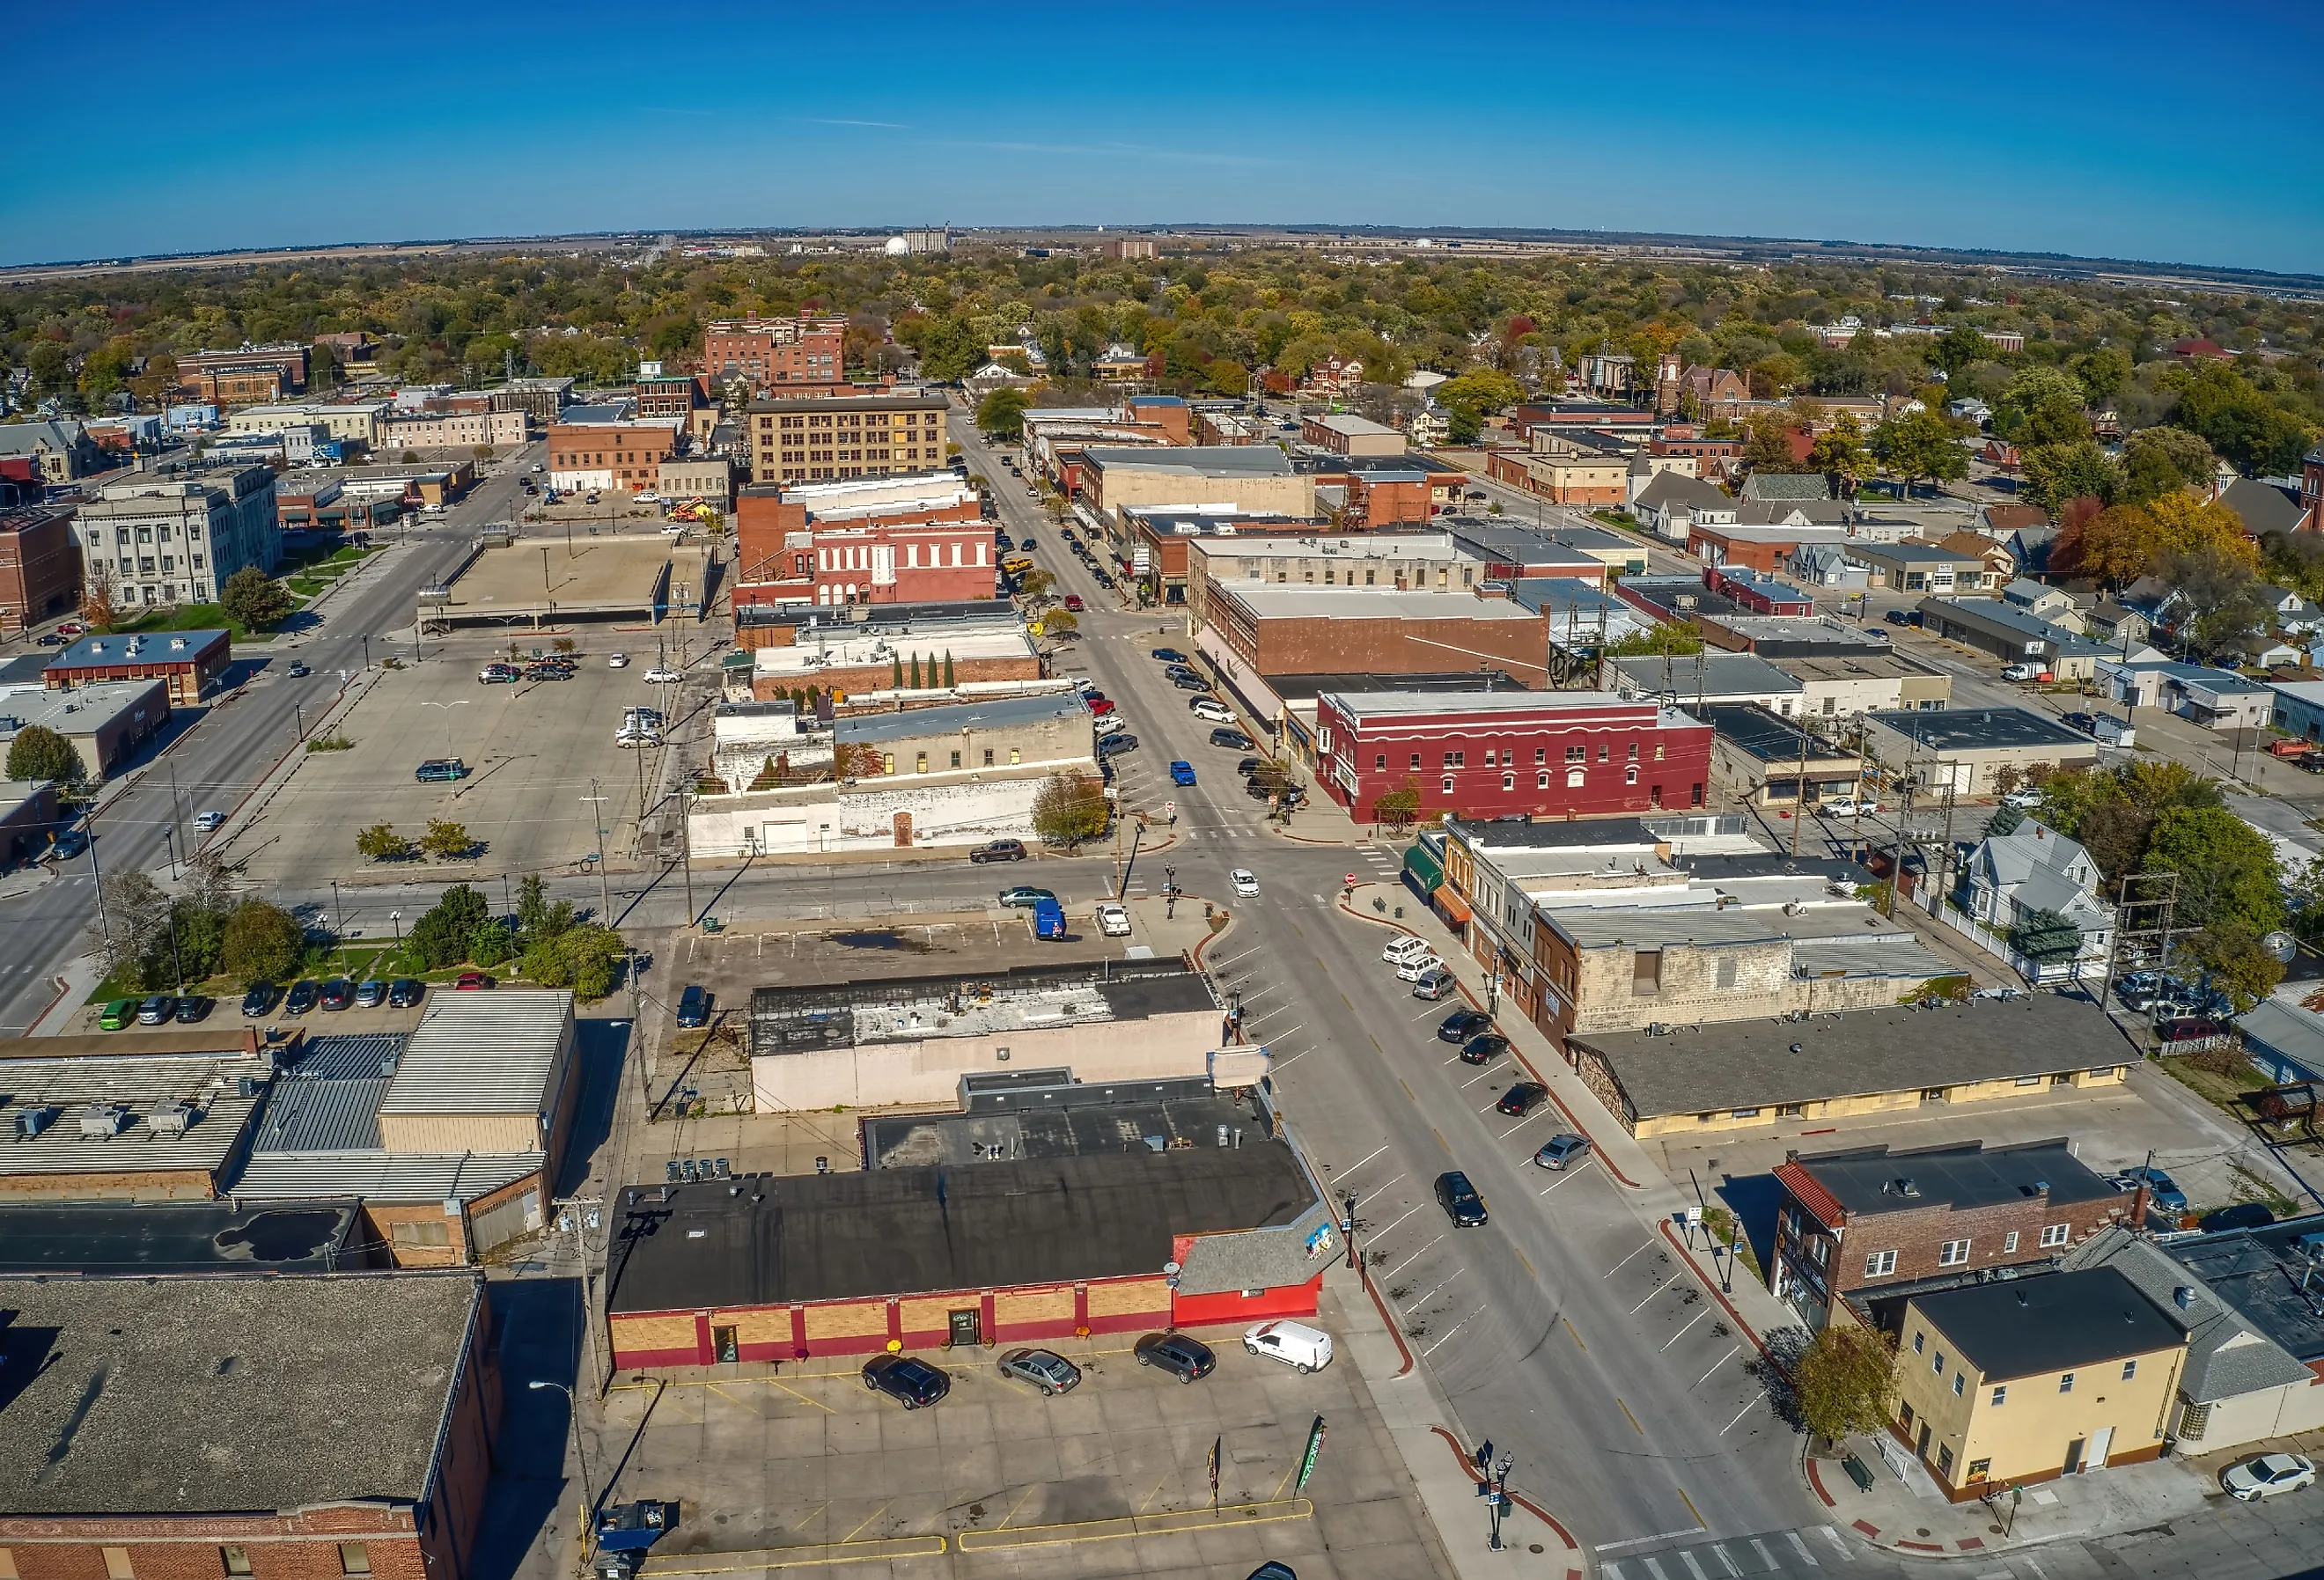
x=191, y=661
x=1484, y=755
x=779, y=353
x=248, y=375
x=2311, y=490
x=1756, y=592
x=1374, y=630
x=1869, y=1223
x=273, y=1427
x=624, y=453
x=40, y=567
x=864, y=540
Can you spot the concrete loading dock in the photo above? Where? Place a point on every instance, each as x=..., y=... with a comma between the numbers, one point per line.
x=533, y=582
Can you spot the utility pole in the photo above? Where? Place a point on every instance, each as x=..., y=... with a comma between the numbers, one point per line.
x=1799, y=786
x=685, y=849
x=604, y=899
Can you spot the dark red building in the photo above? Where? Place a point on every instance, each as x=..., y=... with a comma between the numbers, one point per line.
x=40, y=567
x=1758, y=594
x=1482, y=755
x=862, y=541
x=784, y=353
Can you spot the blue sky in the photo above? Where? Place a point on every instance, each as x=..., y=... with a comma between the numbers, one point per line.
x=2135, y=128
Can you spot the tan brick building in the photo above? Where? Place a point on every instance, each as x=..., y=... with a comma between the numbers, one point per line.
x=796, y=440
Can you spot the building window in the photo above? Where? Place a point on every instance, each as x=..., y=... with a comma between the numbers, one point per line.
x=1415, y=760
x=1879, y=1265
x=2066, y=1383
x=1456, y=759
x=1952, y=1254
x=1605, y=753
x=1541, y=780
x=1646, y=971
x=235, y=1560
x=2053, y=1234
x=354, y=1558
x=1937, y=1363
x=1574, y=778
x=988, y=756
x=1509, y=781
x=2129, y=1370
x=1742, y=1113
x=887, y=763
x=1016, y=755
x=1629, y=776
x=1727, y=975
x=1577, y=754
x=2001, y=1395
x=116, y=1565
x=1960, y=1381
x=1659, y=751
x=923, y=765
x=1634, y=751
x=1448, y=784
x=2009, y=1243
x=1540, y=755
x=1945, y=1460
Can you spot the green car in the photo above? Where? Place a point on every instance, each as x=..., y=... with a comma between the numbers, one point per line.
x=120, y=1012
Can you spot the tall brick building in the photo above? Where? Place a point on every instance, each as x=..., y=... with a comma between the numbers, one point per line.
x=273, y=1427
x=610, y=447
x=786, y=354
x=811, y=438
x=1376, y=630
x=40, y=567
x=247, y=375
x=916, y=539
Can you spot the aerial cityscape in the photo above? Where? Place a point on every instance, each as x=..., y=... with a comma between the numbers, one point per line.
x=781, y=836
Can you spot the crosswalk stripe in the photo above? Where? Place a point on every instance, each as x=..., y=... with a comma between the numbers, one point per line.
x=1801, y=1548
x=1837, y=1546
x=1732, y=1571
x=1693, y=1568
x=1765, y=1556
x=1653, y=1568
x=1609, y=1571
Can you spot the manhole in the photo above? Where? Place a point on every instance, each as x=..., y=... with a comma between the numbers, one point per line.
x=1993, y=1531
x=1923, y=1530
x=1535, y=1548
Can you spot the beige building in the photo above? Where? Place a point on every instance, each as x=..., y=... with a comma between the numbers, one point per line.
x=1965, y=748
x=486, y=1072
x=808, y=438
x=1352, y=436
x=358, y=421
x=2027, y=1379
x=885, y=1044
x=446, y=430
x=1257, y=479
x=708, y=478
x=1401, y=561
x=1843, y=685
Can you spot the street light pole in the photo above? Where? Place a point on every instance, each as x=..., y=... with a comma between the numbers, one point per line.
x=588, y=1497
x=604, y=901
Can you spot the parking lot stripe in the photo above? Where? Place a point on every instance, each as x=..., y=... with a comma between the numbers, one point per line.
x=1406, y=1262
x=1376, y=1234
x=868, y=1519
x=1456, y=1327
x=1715, y=1365
x=1691, y=1321
x=812, y=1556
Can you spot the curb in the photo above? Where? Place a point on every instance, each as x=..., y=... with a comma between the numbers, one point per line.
x=1712, y=1284
x=1387, y=1320
x=1572, y=1547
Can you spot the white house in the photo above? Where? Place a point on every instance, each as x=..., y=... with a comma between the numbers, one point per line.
x=2035, y=868
x=1670, y=504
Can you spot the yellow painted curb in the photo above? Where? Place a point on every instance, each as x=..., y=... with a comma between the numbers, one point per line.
x=767, y=1560
x=986, y=1541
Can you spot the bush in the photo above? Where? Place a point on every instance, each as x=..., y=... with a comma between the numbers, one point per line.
x=442, y=936
x=38, y=752
x=382, y=843
x=491, y=945
x=330, y=743
x=446, y=840
x=587, y=958
x=262, y=943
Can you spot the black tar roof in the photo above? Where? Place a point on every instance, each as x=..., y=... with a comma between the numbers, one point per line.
x=1555, y=834
x=1316, y=684
x=898, y=1231
x=1964, y=729
x=1066, y=1122
x=2027, y=1327
x=172, y=1237
x=1870, y=1179
x=1752, y=729
x=2258, y=1272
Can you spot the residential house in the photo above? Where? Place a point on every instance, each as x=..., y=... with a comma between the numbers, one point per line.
x=2033, y=871
x=59, y=450
x=2000, y=564
x=2023, y=1380
x=1786, y=486
x=2054, y=605
x=2216, y=700
x=1873, y=1223
x=2109, y=621
x=1671, y=504
x=1827, y=566
x=2263, y=507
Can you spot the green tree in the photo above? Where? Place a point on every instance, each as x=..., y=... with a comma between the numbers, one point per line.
x=1846, y=1382
x=198, y=939
x=1001, y=415
x=2045, y=935
x=492, y=943
x=1767, y=444
x=253, y=600
x=537, y=919
x=2238, y=963
x=2159, y=461
x=1398, y=808
x=2248, y=430
x=1656, y=641
x=262, y=943
x=38, y=752
x=382, y=843
x=949, y=679
x=2102, y=371
x=1920, y=444
x=1070, y=807
x=950, y=348
x=1058, y=621
x=446, y=840
x=441, y=937
x=2057, y=473
x=1840, y=454
x=1227, y=377
x=1471, y=398
x=1960, y=347
x=2226, y=869
x=585, y=958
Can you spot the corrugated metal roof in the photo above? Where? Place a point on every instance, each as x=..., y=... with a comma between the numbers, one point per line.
x=141, y=1085
x=381, y=1176
x=369, y=1055
x=322, y=1115
x=481, y=1053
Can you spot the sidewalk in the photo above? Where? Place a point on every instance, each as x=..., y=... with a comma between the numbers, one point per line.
x=1906, y=1513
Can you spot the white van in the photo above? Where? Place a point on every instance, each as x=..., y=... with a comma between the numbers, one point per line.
x=1294, y=1344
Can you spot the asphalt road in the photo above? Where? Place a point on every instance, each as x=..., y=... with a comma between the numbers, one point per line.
x=247, y=726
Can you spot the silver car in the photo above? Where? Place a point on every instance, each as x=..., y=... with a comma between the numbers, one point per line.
x=1046, y=1369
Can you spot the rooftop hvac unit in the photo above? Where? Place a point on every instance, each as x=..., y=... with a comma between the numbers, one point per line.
x=32, y=1121
x=102, y=1119
x=173, y=1120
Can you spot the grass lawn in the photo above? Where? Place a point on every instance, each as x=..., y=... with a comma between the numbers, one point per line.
x=2221, y=1090
x=189, y=617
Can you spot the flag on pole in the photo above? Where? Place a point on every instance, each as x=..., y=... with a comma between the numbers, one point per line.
x=1216, y=1443
x=1307, y=1460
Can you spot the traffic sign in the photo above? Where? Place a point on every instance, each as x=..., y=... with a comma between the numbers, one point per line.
x=1169, y=808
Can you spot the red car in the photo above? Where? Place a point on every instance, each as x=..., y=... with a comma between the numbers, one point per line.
x=1100, y=708
x=471, y=981
x=1074, y=602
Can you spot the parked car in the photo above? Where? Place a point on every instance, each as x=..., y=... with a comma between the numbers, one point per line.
x=1249, y=766
x=998, y=850
x=663, y=677
x=1523, y=1098
x=1187, y=1358
x=1108, y=724
x=499, y=674
x=2024, y=799
x=2021, y=672
x=302, y=996
x=157, y=1010
x=1460, y=1200
x=1398, y=947
x=210, y=820
x=1182, y=773
x=1190, y=683
x=405, y=992
x=2244, y=1214
x=693, y=1007
x=2087, y=723
x=369, y=993
x=617, y=661
x=1232, y=740
x=1169, y=655
x=1114, y=920
x=337, y=993
x=1074, y=602
x=1462, y=1024
x=49, y=639
x=1245, y=881
x=116, y=1015
x=1024, y=896
x=2160, y=1188
x=1438, y=984
x=444, y=770
x=911, y=1382
x=1111, y=745
x=1413, y=967
x=1902, y=616
x=258, y=999
x=1046, y=1369
x=547, y=672
x=2268, y=1474
x=1848, y=807
x=1295, y=1343
x=471, y=982
x=1210, y=712
x=1100, y=707
x=69, y=844
x=1484, y=1049
x=1562, y=1151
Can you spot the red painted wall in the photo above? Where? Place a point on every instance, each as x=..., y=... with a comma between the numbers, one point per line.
x=1513, y=742
x=1234, y=1307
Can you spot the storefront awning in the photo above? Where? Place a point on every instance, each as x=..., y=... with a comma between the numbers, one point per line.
x=1455, y=909
x=1426, y=870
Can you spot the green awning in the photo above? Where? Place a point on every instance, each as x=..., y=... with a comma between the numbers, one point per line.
x=1421, y=862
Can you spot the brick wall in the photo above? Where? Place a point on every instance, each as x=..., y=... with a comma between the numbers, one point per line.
x=1919, y=1237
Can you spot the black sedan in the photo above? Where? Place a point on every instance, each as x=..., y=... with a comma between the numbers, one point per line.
x=1249, y=766
x=302, y=996
x=1460, y=1200
x=1462, y=1024
x=258, y=999
x=914, y=1383
x=1523, y=1098
x=1484, y=1049
x=194, y=1009
x=1184, y=1358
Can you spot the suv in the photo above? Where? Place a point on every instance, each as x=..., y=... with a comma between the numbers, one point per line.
x=1184, y=1358
x=1438, y=983
x=1460, y=1200
x=499, y=674
x=999, y=850
x=913, y=1382
x=445, y=769
x=693, y=1007
x=1462, y=1024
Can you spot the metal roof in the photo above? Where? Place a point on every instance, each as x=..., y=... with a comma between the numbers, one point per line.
x=381, y=1176
x=481, y=1053
x=140, y=1085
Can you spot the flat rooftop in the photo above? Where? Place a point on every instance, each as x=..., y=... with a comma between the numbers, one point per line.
x=1223, y=460
x=1751, y=1064
x=2259, y=1272
x=999, y=713
x=197, y=1101
x=1365, y=705
x=1381, y=546
x=181, y=1396
x=1663, y=926
x=159, y=647
x=1032, y=998
x=2028, y=1327
x=1308, y=688
x=1869, y=1180
x=1867, y=665
x=1967, y=729
x=888, y=1230
x=1045, y=1114
x=545, y=577
x=1003, y=637
x=1583, y=834
x=172, y=1237
x=1773, y=740
x=1708, y=673
x=1305, y=603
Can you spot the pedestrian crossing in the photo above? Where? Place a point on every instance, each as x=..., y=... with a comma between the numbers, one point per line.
x=1815, y=1550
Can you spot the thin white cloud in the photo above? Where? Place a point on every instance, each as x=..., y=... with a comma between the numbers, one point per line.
x=1109, y=150
x=832, y=121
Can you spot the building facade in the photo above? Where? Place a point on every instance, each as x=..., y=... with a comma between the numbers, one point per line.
x=913, y=539
x=249, y=374
x=778, y=353
x=596, y=448
x=40, y=569
x=176, y=541
x=442, y=431
x=797, y=439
